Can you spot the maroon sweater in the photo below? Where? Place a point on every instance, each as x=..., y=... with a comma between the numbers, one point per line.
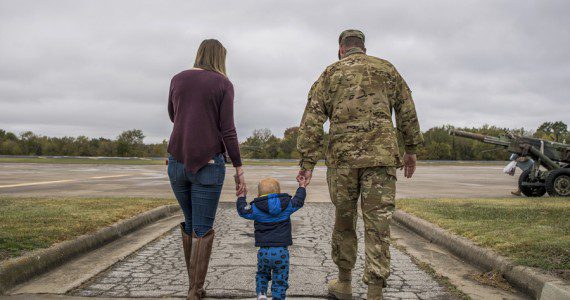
x=201, y=106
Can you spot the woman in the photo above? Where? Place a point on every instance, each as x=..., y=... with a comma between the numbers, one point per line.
x=200, y=105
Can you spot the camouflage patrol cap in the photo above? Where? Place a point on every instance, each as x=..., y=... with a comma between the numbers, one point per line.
x=351, y=32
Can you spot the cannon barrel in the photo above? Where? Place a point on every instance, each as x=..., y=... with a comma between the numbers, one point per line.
x=548, y=157
x=479, y=137
x=469, y=135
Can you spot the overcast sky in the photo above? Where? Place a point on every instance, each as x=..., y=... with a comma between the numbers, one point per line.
x=97, y=68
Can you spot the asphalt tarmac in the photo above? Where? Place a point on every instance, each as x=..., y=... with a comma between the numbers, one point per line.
x=69, y=180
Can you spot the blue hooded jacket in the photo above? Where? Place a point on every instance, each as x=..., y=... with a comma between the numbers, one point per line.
x=272, y=214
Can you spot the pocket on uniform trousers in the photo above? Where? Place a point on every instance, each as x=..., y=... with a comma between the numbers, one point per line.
x=331, y=182
x=211, y=174
x=392, y=172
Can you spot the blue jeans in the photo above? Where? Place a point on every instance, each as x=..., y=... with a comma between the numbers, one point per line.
x=198, y=194
x=272, y=264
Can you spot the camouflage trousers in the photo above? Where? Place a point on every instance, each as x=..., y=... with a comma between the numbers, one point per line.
x=376, y=186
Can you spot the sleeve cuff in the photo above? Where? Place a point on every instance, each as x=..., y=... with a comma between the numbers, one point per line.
x=236, y=162
x=411, y=149
x=241, y=201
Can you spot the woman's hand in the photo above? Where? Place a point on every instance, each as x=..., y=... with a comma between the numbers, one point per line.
x=241, y=187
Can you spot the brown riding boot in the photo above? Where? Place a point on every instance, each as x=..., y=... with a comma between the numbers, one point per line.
x=199, y=260
x=341, y=288
x=187, y=244
x=374, y=292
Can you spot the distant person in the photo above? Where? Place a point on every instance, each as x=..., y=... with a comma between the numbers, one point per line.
x=271, y=211
x=524, y=163
x=358, y=95
x=201, y=106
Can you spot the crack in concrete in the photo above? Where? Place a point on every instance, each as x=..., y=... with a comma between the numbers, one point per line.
x=158, y=269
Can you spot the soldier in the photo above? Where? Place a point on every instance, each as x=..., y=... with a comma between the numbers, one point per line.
x=358, y=94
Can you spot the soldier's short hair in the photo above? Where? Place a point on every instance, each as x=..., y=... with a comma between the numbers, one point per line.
x=268, y=186
x=352, y=41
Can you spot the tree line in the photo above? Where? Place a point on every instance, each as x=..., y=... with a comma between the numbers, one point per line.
x=263, y=144
x=438, y=144
x=127, y=144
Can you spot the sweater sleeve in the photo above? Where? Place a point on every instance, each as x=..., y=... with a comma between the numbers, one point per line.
x=227, y=126
x=170, y=104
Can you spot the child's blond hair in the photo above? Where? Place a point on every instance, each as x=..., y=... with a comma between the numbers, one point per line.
x=268, y=186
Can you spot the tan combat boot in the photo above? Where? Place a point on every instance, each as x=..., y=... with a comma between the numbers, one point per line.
x=199, y=260
x=341, y=288
x=374, y=292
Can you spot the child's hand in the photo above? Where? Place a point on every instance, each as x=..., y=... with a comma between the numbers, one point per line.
x=302, y=181
x=242, y=194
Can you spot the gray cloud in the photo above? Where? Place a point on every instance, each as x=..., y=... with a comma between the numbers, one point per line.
x=100, y=67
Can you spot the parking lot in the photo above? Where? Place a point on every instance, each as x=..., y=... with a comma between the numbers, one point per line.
x=71, y=180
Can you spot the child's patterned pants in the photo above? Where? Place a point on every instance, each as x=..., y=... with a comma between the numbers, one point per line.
x=273, y=264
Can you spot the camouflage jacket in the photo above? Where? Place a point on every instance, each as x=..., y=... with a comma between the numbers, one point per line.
x=358, y=94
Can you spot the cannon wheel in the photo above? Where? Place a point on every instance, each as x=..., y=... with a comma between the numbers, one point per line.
x=558, y=183
x=530, y=191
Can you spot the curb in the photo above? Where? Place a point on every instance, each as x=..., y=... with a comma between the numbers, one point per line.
x=530, y=281
x=17, y=270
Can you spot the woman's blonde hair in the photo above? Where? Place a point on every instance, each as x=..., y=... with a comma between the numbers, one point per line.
x=211, y=56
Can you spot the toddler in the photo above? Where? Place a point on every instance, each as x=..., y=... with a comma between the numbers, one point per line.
x=271, y=211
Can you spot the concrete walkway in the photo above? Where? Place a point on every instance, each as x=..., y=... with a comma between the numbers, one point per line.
x=157, y=270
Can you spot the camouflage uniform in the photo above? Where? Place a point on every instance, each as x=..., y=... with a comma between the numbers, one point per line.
x=358, y=94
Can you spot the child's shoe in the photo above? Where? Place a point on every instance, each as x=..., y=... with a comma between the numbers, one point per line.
x=261, y=296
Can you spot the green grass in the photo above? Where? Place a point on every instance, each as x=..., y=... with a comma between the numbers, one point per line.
x=533, y=232
x=32, y=223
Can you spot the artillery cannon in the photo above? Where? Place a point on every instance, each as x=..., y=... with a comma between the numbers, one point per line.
x=553, y=178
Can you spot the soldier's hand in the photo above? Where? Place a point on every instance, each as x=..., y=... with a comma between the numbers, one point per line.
x=409, y=165
x=305, y=175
